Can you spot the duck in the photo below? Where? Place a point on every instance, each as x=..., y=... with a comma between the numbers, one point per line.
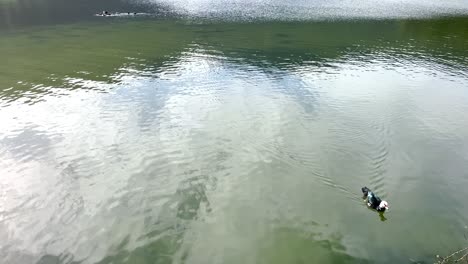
x=104, y=13
x=373, y=201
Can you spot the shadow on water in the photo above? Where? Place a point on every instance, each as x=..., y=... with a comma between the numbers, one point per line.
x=162, y=244
x=287, y=245
x=382, y=217
x=184, y=207
x=380, y=214
x=160, y=251
x=51, y=259
x=280, y=245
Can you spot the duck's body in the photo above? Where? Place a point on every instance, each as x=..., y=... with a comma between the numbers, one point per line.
x=373, y=201
x=104, y=13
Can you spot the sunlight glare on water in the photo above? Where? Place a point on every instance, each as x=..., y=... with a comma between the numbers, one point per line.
x=313, y=10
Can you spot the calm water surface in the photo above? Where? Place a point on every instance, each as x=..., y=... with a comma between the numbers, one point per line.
x=233, y=137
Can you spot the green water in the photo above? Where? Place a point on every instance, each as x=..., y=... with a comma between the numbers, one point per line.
x=187, y=139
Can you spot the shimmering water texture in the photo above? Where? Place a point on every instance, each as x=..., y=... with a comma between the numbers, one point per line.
x=311, y=10
x=186, y=141
x=14, y=13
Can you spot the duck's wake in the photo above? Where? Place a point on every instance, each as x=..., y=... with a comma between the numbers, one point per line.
x=120, y=14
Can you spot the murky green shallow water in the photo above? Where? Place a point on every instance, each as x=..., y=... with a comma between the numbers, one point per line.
x=184, y=140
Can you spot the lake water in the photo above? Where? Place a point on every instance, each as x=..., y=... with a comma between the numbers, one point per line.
x=238, y=131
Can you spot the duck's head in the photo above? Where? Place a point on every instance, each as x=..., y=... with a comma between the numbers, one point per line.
x=383, y=205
